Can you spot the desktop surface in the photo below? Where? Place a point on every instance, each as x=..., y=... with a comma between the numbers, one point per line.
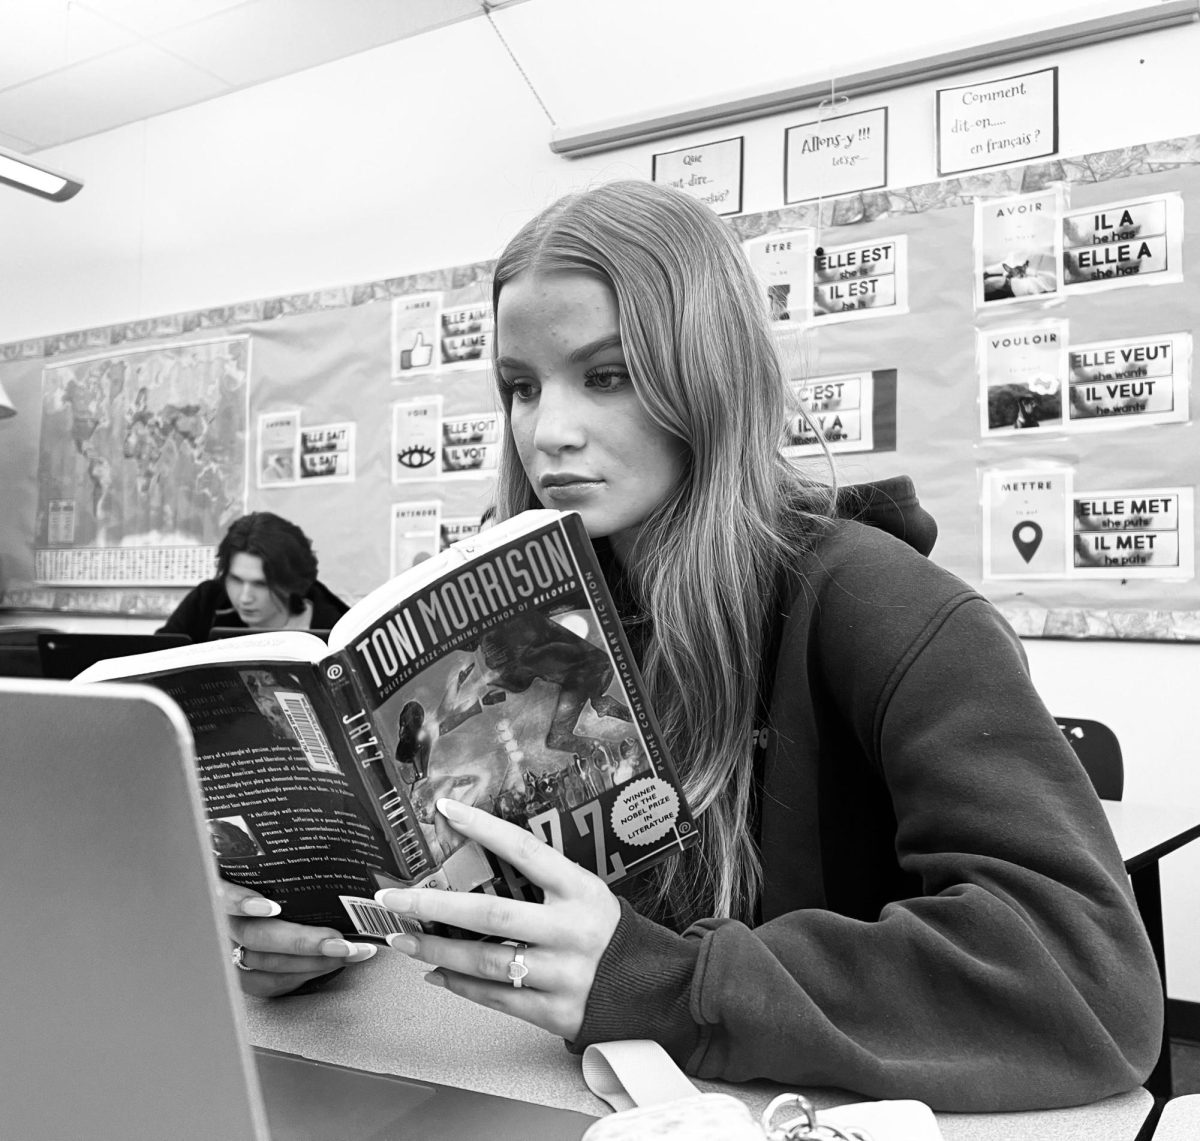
x=380, y=1015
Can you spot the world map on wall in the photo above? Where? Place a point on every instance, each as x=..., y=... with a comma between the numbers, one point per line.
x=142, y=451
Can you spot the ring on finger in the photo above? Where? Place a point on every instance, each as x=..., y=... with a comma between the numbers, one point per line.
x=517, y=970
x=239, y=958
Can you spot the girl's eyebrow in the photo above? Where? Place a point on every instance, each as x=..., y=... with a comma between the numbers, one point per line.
x=575, y=356
x=584, y=352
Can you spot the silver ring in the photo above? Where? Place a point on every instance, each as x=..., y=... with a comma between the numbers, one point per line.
x=238, y=956
x=517, y=970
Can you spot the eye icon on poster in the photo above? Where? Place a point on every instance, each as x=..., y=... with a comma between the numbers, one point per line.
x=1027, y=537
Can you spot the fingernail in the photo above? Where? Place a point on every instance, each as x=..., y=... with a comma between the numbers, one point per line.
x=362, y=952
x=394, y=899
x=435, y=978
x=452, y=809
x=261, y=907
x=403, y=943
x=337, y=948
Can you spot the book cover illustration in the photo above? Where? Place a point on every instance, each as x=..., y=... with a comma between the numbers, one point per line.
x=507, y=683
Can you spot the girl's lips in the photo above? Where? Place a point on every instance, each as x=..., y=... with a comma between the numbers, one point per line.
x=571, y=490
x=565, y=478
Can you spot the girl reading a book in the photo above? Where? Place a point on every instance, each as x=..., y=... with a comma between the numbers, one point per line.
x=906, y=885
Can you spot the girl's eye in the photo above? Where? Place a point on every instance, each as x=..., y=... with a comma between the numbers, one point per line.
x=608, y=379
x=519, y=390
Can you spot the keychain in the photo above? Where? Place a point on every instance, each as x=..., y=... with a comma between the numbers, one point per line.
x=802, y=1122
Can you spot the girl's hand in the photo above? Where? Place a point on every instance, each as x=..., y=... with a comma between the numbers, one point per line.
x=282, y=955
x=565, y=935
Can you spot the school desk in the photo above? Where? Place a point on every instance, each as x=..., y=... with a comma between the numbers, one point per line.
x=1180, y=1120
x=381, y=1016
x=1145, y=833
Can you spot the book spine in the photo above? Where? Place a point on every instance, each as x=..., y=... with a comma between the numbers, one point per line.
x=364, y=746
x=601, y=603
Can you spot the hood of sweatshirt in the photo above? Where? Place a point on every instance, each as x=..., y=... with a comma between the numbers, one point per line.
x=892, y=506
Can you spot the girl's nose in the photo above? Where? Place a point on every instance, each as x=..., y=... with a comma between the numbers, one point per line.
x=560, y=420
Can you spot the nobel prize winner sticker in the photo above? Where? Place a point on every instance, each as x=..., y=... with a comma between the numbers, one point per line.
x=645, y=811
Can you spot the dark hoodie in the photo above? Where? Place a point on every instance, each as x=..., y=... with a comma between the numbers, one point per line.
x=944, y=912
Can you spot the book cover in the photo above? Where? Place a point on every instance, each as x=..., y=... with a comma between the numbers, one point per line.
x=495, y=673
x=503, y=679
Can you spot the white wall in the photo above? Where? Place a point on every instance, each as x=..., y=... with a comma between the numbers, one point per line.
x=431, y=151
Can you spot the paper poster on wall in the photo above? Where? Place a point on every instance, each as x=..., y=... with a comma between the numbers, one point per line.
x=466, y=335
x=1132, y=381
x=1018, y=249
x=278, y=445
x=711, y=173
x=470, y=445
x=327, y=454
x=783, y=264
x=1022, y=377
x=1134, y=533
x=416, y=332
x=458, y=527
x=840, y=155
x=416, y=438
x=149, y=446
x=866, y=279
x=416, y=533
x=1025, y=522
x=1138, y=241
x=840, y=408
x=1013, y=119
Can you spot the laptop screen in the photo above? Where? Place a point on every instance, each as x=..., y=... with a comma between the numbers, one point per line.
x=240, y=631
x=66, y=653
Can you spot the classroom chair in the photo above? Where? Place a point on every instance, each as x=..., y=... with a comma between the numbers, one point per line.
x=1099, y=752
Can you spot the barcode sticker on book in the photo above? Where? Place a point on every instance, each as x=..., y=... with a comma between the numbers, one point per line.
x=372, y=919
x=301, y=717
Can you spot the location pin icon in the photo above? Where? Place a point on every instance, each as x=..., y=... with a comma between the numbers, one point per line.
x=1027, y=537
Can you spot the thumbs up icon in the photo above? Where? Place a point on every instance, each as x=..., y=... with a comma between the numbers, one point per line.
x=418, y=356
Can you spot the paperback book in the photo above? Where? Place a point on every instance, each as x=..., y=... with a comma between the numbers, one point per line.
x=496, y=673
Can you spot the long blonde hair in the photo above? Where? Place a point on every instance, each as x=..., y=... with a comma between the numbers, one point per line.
x=704, y=363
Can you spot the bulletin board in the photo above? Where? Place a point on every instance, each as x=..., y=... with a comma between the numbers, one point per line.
x=366, y=413
x=934, y=428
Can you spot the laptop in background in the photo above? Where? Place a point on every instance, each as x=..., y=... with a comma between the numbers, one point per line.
x=125, y=1020
x=238, y=631
x=65, y=653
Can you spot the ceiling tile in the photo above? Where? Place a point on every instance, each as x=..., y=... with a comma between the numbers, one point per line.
x=265, y=39
x=117, y=88
x=39, y=36
x=147, y=17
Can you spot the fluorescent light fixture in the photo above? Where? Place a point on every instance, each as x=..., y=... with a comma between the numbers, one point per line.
x=609, y=135
x=6, y=406
x=18, y=171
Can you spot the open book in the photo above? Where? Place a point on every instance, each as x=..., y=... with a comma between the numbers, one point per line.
x=495, y=672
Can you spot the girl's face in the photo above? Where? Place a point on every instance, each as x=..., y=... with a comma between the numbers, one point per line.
x=583, y=437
